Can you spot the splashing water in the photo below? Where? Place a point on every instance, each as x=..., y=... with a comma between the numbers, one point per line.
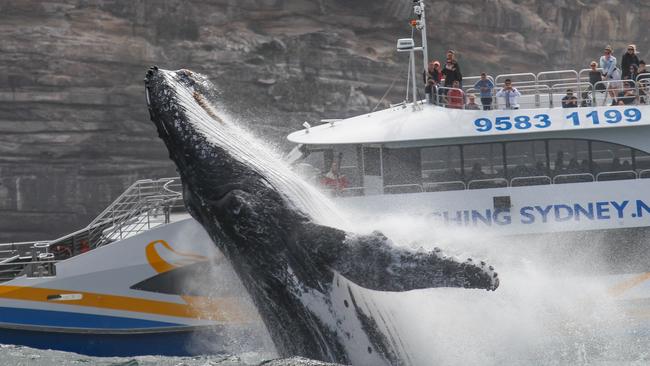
x=223, y=131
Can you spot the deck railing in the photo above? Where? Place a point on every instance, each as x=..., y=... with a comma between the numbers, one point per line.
x=546, y=88
x=520, y=181
x=144, y=205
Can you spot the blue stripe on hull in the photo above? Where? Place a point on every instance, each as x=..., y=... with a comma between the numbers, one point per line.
x=105, y=345
x=48, y=318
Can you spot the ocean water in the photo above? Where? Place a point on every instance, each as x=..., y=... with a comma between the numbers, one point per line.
x=25, y=356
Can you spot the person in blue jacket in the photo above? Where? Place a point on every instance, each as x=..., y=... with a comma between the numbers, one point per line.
x=485, y=87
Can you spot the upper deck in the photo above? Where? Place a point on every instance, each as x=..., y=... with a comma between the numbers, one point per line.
x=540, y=112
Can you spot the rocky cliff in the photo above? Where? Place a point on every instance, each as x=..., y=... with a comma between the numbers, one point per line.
x=74, y=130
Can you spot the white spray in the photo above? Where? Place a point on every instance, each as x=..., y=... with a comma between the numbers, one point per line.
x=535, y=317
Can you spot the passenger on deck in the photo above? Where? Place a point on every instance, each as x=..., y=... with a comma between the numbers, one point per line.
x=616, y=165
x=627, y=95
x=430, y=84
x=629, y=58
x=569, y=100
x=586, y=100
x=510, y=94
x=451, y=70
x=471, y=104
x=595, y=76
x=610, y=72
x=455, y=96
x=633, y=72
x=607, y=63
x=485, y=87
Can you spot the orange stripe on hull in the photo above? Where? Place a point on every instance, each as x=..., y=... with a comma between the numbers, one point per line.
x=633, y=282
x=226, y=309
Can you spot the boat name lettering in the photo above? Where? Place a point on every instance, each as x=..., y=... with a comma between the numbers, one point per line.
x=608, y=116
x=548, y=214
x=583, y=117
x=506, y=123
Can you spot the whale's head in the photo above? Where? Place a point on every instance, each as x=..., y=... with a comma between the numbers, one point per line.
x=223, y=185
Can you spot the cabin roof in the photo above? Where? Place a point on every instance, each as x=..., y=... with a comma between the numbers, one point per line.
x=429, y=122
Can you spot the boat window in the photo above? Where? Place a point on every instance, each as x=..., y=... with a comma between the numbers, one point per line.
x=568, y=157
x=349, y=164
x=402, y=166
x=441, y=164
x=483, y=166
x=312, y=166
x=610, y=157
x=642, y=162
x=371, y=161
x=526, y=159
x=483, y=161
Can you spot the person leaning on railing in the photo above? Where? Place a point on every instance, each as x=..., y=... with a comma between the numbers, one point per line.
x=610, y=72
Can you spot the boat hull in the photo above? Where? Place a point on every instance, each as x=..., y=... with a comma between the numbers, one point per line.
x=166, y=291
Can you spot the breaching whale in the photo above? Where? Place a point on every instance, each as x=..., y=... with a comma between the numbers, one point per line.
x=303, y=277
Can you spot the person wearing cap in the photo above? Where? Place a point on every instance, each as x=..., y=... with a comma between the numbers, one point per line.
x=451, y=70
x=629, y=58
x=569, y=100
x=485, y=87
x=471, y=104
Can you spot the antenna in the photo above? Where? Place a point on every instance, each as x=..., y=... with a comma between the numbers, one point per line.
x=421, y=24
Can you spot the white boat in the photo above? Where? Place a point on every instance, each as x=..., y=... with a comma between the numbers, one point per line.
x=538, y=169
x=575, y=176
x=138, y=280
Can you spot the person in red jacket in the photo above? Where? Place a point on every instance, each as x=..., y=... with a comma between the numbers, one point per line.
x=333, y=179
x=455, y=97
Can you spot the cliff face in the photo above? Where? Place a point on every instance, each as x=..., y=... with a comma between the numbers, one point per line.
x=74, y=130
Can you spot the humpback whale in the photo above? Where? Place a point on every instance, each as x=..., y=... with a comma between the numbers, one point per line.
x=304, y=277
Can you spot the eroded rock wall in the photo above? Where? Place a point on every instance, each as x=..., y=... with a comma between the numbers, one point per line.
x=74, y=131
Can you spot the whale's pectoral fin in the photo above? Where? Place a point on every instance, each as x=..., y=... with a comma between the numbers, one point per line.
x=372, y=261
